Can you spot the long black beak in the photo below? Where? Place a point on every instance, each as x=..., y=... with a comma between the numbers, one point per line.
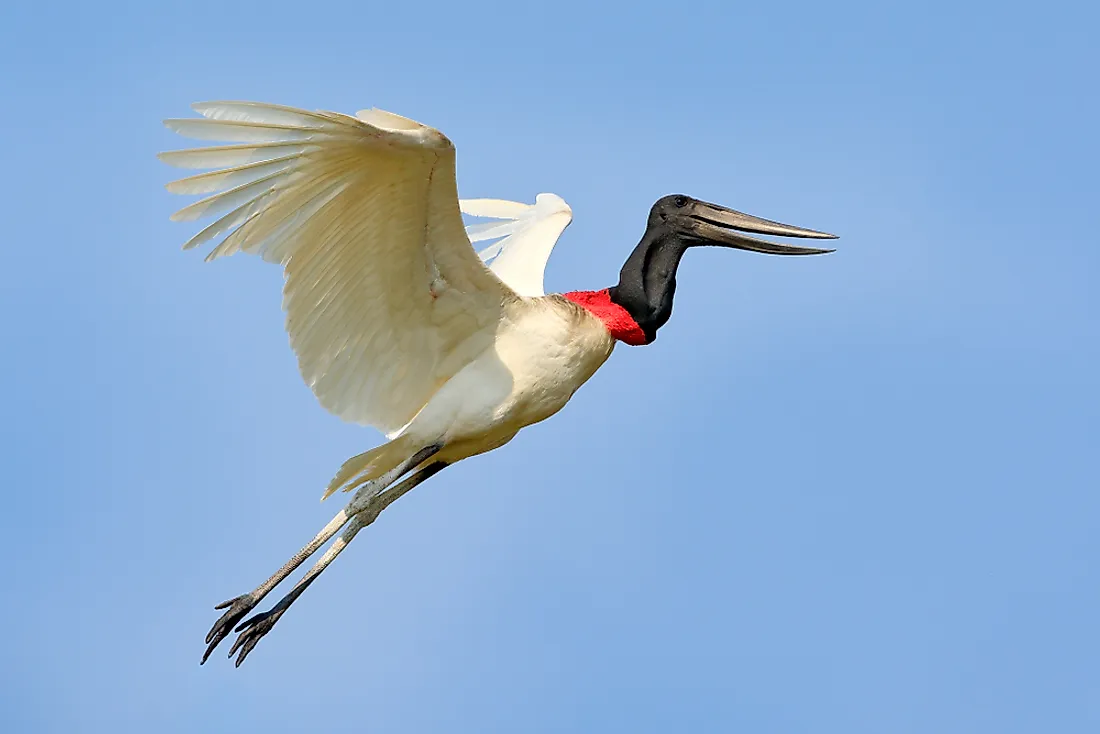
x=726, y=227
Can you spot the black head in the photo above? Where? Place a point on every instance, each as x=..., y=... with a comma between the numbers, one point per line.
x=701, y=223
x=647, y=281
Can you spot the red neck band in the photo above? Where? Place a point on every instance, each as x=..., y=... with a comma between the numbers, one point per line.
x=620, y=324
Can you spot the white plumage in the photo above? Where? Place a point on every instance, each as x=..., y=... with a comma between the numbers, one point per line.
x=529, y=233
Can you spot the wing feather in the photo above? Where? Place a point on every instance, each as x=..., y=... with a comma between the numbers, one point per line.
x=244, y=132
x=225, y=156
x=529, y=233
x=205, y=183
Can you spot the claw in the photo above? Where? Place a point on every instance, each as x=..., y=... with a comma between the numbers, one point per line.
x=237, y=608
x=254, y=629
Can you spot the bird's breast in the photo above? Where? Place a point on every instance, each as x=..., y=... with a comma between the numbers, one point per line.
x=550, y=348
x=543, y=350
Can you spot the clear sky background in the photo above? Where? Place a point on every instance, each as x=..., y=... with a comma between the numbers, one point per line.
x=848, y=494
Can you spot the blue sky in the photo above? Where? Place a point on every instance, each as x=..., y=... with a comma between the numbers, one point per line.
x=863, y=497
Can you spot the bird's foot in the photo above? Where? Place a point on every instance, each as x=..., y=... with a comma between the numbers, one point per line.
x=237, y=608
x=254, y=629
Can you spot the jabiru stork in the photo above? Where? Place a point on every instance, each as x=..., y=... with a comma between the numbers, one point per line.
x=396, y=320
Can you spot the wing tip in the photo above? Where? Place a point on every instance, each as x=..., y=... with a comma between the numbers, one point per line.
x=549, y=203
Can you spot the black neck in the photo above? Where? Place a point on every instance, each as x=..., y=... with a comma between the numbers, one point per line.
x=647, y=281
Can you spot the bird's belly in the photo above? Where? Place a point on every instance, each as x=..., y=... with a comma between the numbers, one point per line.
x=532, y=370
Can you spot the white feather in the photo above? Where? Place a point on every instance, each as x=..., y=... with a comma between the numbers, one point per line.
x=230, y=199
x=270, y=114
x=491, y=230
x=530, y=233
x=229, y=221
x=227, y=156
x=494, y=208
x=386, y=120
x=240, y=132
x=205, y=183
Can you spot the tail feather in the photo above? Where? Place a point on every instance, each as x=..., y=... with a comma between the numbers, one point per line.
x=369, y=465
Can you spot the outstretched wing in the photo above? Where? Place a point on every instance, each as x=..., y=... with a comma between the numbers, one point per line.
x=385, y=298
x=529, y=233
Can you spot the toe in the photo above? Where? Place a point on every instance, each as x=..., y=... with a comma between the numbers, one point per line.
x=237, y=608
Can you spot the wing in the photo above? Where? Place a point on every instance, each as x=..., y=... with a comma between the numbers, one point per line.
x=530, y=233
x=385, y=298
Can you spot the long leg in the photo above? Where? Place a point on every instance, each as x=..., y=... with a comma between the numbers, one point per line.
x=237, y=607
x=256, y=627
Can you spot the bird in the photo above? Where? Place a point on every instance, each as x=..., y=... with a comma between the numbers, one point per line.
x=397, y=321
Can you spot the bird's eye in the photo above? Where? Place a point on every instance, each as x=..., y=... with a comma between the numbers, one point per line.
x=680, y=202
